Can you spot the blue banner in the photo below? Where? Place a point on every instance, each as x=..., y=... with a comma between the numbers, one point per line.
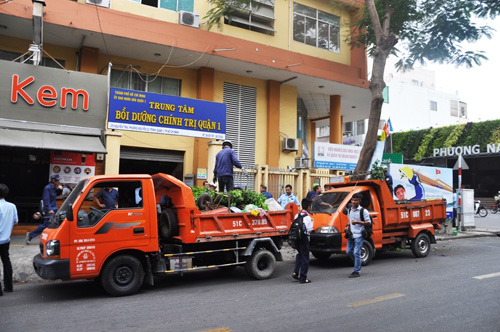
x=161, y=114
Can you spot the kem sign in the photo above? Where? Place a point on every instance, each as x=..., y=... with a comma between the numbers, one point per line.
x=47, y=95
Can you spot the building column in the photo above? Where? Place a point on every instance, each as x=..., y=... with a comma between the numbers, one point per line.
x=205, y=91
x=113, y=143
x=89, y=59
x=273, y=123
x=335, y=120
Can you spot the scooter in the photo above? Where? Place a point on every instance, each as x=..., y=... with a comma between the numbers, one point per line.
x=480, y=209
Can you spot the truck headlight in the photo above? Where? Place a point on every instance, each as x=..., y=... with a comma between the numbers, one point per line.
x=327, y=230
x=52, y=248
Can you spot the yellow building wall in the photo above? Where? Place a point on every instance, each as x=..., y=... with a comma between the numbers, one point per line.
x=288, y=122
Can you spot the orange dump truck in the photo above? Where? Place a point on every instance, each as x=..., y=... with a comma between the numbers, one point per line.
x=395, y=223
x=157, y=229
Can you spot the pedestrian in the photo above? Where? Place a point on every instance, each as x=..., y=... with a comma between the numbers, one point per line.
x=302, y=257
x=49, y=196
x=224, y=162
x=316, y=190
x=8, y=218
x=327, y=187
x=107, y=198
x=455, y=208
x=263, y=191
x=388, y=179
x=355, y=241
x=206, y=184
x=288, y=197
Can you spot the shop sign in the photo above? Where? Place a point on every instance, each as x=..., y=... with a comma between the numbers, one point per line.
x=72, y=166
x=342, y=157
x=466, y=150
x=162, y=114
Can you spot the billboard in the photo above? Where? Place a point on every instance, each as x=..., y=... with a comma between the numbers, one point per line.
x=340, y=156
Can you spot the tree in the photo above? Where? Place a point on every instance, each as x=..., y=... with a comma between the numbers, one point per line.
x=428, y=31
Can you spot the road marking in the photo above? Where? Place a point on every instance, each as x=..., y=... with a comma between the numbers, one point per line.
x=486, y=276
x=222, y=329
x=375, y=300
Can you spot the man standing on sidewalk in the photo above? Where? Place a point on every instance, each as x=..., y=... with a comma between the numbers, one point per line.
x=8, y=218
x=49, y=196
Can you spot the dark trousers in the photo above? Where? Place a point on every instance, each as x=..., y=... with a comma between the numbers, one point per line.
x=7, y=266
x=225, y=182
x=41, y=227
x=302, y=259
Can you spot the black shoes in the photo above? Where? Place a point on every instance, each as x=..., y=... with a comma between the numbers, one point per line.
x=307, y=281
x=8, y=290
x=354, y=275
x=295, y=276
x=28, y=239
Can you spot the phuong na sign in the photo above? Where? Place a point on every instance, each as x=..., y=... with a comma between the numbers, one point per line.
x=161, y=114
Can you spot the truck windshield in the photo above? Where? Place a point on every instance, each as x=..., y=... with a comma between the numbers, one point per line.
x=60, y=215
x=329, y=202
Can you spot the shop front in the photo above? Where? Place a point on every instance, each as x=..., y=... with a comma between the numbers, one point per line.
x=51, y=122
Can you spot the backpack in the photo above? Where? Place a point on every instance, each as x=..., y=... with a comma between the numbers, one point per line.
x=368, y=231
x=297, y=231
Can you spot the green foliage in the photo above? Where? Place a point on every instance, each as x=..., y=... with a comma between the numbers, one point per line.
x=238, y=198
x=454, y=135
x=221, y=9
x=377, y=171
x=424, y=145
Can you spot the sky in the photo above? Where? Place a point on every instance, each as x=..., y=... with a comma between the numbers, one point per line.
x=479, y=86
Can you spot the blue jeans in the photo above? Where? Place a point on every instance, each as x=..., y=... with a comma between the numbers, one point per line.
x=354, y=251
x=41, y=227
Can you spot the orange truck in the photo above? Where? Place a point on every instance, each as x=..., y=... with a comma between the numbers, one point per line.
x=396, y=224
x=157, y=229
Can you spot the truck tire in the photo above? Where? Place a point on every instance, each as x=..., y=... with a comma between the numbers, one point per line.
x=421, y=245
x=204, y=202
x=261, y=264
x=168, y=224
x=322, y=256
x=122, y=275
x=367, y=253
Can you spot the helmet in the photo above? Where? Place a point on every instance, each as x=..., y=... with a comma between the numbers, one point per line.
x=227, y=142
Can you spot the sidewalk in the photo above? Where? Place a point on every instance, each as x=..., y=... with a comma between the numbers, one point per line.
x=22, y=255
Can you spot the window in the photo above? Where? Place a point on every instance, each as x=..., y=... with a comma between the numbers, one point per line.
x=134, y=81
x=316, y=28
x=360, y=126
x=463, y=110
x=454, y=108
x=257, y=16
x=434, y=106
x=241, y=110
x=175, y=5
x=348, y=129
x=45, y=62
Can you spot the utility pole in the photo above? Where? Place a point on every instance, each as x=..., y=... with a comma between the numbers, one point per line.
x=37, y=45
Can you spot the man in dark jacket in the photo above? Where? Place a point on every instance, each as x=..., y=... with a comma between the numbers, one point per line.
x=224, y=162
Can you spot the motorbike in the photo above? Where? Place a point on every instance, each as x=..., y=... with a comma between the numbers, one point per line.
x=480, y=209
x=494, y=209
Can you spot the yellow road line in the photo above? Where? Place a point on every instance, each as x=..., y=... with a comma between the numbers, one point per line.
x=375, y=300
x=486, y=276
x=222, y=329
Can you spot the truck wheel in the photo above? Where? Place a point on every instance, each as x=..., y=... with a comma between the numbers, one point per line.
x=122, y=275
x=366, y=253
x=322, y=256
x=168, y=225
x=204, y=202
x=261, y=264
x=421, y=245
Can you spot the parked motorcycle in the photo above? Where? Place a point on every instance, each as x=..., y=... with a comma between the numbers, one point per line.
x=480, y=209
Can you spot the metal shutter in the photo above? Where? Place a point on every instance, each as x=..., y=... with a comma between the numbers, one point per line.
x=128, y=152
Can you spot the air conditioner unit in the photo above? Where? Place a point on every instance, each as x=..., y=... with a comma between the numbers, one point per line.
x=301, y=163
x=189, y=19
x=290, y=144
x=102, y=3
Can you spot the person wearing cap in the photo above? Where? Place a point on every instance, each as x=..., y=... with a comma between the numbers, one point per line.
x=263, y=191
x=224, y=162
x=316, y=190
x=49, y=195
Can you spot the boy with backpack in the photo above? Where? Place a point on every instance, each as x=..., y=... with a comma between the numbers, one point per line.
x=357, y=223
x=300, y=230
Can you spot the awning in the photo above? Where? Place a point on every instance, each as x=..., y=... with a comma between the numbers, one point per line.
x=50, y=141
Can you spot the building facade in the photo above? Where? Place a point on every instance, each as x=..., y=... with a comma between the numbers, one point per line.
x=279, y=68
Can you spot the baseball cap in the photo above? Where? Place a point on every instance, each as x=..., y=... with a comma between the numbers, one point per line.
x=55, y=177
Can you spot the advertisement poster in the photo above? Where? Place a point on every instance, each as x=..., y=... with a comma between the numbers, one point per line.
x=72, y=166
x=341, y=157
x=415, y=182
x=162, y=114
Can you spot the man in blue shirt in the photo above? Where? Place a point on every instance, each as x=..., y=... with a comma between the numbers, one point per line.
x=49, y=195
x=107, y=198
x=287, y=197
x=263, y=191
x=8, y=218
x=314, y=192
x=224, y=162
x=355, y=241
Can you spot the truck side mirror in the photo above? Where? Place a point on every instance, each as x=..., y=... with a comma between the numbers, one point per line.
x=345, y=211
x=69, y=213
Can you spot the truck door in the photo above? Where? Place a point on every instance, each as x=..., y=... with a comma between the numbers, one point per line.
x=112, y=217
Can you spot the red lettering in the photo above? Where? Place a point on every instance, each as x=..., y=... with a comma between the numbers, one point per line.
x=42, y=96
x=17, y=88
x=74, y=95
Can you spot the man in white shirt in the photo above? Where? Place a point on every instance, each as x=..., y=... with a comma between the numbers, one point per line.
x=355, y=241
x=302, y=257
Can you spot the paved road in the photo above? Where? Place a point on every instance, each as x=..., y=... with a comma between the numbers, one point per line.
x=455, y=288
